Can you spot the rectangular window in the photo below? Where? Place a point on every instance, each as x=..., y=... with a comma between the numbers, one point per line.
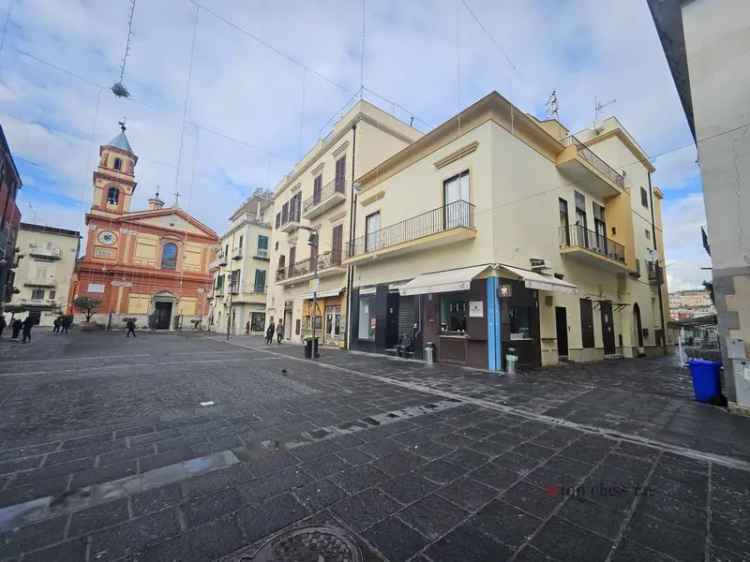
x=456, y=198
x=317, y=189
x=234, y=283
x=337, y=244
x=285, y=213
x=647, y=232
x=582, y=233
x=453, y=311
x=600, y=229
x=644, y=197
x=340, y=180
x=564, y=223
x=278, y=220
x=242, y=241
x=257, y=321
x=260, y=281
x=372, y=228
x=262, y=242
x=37, y=294
x=520, y=322
x=366, y=325
x=52, y=294
x=292, y=259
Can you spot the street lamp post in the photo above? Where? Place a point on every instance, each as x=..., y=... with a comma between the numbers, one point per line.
x=313, y=243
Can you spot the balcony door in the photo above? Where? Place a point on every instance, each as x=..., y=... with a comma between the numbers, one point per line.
x=337, y=244
x=600, y=229
x=372, y=227
x=292, y=260
x=456, y=197
x=317, y=189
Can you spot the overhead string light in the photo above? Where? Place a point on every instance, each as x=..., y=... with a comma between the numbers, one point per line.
x=119, y=89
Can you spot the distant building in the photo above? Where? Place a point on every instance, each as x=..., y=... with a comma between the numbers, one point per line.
x=42, y=279
x=318, y=194
x=10, y=218
x=706, y=46
x=152, y=264
x=689, y=304
x=240, y=269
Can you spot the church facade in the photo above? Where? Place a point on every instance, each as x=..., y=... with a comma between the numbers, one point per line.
x=150, y=265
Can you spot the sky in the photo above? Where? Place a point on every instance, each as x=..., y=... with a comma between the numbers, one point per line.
x=227, y=95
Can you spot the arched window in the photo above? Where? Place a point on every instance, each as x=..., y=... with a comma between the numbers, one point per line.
x=169, y=256
x=113, y=196
x=118, y=164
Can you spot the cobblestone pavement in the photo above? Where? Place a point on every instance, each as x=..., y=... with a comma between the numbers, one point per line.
x=181, y=447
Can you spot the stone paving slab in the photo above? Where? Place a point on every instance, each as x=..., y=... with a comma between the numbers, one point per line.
x=467, y=482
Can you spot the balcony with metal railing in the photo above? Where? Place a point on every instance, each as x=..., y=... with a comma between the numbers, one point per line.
x=332, y=194
x=448, y=224
x=219, y=261
x=261, y=254
x=588, y=246
x=328, y=263
x=237, y=253
x=46, y=253
x=581, y=165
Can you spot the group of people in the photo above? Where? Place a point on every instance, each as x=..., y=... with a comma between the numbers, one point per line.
x=62, y=324
x=278, y=328
x=18, y=326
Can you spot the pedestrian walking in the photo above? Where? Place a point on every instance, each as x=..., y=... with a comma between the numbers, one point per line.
x=27, y=325
x=269, y=333
x=16, y=327
x=279, y=332
x=2, y=325
x=66, y=322
x=131, y=327
x=57, y=325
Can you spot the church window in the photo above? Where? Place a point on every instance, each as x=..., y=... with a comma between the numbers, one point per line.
x=169, y=256
x=118, y=164
x=113, y=196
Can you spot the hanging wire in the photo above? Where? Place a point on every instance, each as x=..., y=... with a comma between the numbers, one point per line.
x=187, y=96
x=119, y=89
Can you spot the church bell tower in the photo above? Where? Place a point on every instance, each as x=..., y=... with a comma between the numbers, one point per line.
x=114, y=178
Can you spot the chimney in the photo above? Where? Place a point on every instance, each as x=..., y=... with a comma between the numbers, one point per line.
x=154, y=204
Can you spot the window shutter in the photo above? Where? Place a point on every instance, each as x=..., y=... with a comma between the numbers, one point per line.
x=336, y=244
x=340, y=174
x=317, y=189
x=292, y=256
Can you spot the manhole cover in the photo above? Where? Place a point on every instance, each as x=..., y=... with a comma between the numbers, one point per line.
x=308, y=544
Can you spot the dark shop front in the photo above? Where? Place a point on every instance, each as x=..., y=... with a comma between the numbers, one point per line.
x=472, y=317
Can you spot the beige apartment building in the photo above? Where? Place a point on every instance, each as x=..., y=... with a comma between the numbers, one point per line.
x=317, y=196
x=237, y=302
x=497, y=233
x=47, y=259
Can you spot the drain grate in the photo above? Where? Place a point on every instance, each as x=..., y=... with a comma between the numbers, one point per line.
x=306, y=544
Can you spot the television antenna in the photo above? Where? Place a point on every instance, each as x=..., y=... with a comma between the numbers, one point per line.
x=553, y=106
x=598, y=107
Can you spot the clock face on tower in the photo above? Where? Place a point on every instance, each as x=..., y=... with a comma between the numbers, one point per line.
x=106, y=237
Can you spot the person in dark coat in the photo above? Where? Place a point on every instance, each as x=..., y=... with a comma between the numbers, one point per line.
x=269, y=333
x=65, y=323
x=131, y=327
x=57, y=325
x=279, y=332
x=16, y=327
x=2, y=325
x=27, y=325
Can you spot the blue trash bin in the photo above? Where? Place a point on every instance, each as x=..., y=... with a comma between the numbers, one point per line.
x=706, y=379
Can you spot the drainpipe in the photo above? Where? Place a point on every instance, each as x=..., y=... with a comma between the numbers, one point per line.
x=659, y=270
x=352, y=229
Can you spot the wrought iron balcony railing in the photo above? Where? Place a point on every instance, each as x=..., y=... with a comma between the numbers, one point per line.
x=307, y=266
x=328, y=191
x=595, y=161
x=459, y=214
x=580, y=237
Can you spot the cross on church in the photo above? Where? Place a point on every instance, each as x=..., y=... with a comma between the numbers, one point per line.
x=177, y=199
x=122, y=125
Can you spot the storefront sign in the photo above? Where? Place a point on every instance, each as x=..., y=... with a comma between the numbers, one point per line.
x=476, y=309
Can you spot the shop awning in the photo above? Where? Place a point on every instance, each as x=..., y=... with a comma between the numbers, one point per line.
x=324, y=294
x=442, y=281
x=534, y=280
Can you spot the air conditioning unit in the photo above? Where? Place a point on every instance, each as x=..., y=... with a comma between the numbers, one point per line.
x=539, y=265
